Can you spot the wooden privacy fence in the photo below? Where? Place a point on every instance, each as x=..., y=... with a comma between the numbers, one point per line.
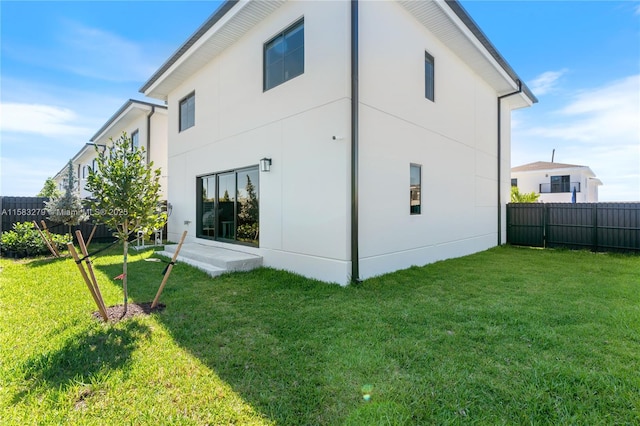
x=594, y=226
x=28, y=209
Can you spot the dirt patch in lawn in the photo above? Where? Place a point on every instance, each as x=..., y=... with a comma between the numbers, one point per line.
x=116, y=313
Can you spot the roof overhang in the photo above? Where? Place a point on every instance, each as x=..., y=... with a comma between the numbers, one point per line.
x=229, y=22
x=452, y=25
x=447, y=19
x=129, y=111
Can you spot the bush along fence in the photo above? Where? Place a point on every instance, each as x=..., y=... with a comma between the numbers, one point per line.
x=29, y=209
x=594, y=226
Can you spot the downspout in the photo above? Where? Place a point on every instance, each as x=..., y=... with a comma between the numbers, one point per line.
x=153, y=110
x=500, y=98
x=355, y=101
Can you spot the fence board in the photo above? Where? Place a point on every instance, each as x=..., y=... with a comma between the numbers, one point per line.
x=28, y=209
x=595, y=226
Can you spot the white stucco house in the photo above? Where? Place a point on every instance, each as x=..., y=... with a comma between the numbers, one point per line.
x=556, y=182
x=339, y=140
x=144, y=122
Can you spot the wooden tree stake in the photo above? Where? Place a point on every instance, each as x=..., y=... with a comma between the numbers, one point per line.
x=46, y=241
x=72, y=250
x=169, y=268
x=53, y=245
x=85, y=253
x=93, y=231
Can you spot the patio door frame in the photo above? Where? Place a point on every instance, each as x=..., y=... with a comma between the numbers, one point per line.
x=221, y=227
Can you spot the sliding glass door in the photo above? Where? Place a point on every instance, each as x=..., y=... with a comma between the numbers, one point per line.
x=228, y=206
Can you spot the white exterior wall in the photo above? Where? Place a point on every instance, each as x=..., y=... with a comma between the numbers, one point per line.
x=159, y=146
x=85, y=161
x=529, y=181
x=304, y=199
x=454, y=139
x=136, y=119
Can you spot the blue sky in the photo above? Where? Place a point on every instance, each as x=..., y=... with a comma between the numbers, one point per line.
x=66, y=67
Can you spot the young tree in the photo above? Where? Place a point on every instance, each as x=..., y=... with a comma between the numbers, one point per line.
x=49, y=189
x=518, y=197
x=126, y=194
x=67, y=208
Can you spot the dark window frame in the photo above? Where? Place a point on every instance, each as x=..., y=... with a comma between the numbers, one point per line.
x=415, y=190
x=234, y=238
x=187, y=124
x=135, y=135
x=562, y=184
x=266, y=85
x=429, y=77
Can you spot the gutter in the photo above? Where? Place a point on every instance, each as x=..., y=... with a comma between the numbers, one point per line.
x=500, y=98
x=355, y=123
x=153, y=111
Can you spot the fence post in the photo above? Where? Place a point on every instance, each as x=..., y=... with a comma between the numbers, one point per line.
x=545, y=222
x=594, y=218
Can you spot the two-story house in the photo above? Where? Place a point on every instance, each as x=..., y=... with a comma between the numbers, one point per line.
x=339, y=140
x=144, y=122
x=557, y=182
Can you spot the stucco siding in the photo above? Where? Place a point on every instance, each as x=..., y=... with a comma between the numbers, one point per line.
x=454, y=139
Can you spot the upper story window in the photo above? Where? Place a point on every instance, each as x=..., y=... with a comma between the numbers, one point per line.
x=85, y=171
x=429, y=77
x=284, y=56
x=415, y=183
x=514, y=182
x=135, y=140
x=561, y=183
x=188, y=112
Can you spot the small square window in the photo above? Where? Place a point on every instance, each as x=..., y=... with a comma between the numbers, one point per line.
x=415, y=196
x=188, y=112
x=429, y=77
x=284, y=56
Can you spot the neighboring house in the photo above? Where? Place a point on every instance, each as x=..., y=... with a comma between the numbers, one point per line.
x=556, y=182
x=144, y=122
x=83, y=159
x=340, y=140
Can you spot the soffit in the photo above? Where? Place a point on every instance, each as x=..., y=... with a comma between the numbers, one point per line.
x=474, y=49
x=201, y=49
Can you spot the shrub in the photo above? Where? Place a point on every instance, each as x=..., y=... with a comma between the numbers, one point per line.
x=24, y=240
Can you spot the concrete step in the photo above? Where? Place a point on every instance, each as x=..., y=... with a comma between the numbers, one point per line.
x=213, y=260
x=211, y=270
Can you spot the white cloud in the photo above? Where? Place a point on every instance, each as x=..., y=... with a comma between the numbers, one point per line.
x=96, y=53
x=46, y=120
x=597, y=127
x=609, y=114
x=546, y=82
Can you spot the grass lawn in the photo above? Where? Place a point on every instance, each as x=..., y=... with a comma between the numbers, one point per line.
x=507, y=336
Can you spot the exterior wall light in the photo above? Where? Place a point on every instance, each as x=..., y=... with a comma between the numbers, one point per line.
x=265, y=165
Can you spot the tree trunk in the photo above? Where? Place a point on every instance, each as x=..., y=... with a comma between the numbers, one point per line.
x=124, y=274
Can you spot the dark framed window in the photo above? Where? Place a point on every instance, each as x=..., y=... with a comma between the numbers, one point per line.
x=429, y=77
x=514, y=182
x=561, y=183
x=284, y=56
x=415, y=183
x=227, y=206
x=188, y=112
x=135, y=140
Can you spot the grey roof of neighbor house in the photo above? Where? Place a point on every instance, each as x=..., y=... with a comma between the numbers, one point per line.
x=544, y=165
x=122, y=109
x=454, y=5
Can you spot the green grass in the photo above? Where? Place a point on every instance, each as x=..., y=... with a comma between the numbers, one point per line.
x=507, y=336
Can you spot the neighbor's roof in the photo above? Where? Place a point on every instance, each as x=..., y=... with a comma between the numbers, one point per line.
x=266, y=7
x=121, y=111
x=544, y=165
